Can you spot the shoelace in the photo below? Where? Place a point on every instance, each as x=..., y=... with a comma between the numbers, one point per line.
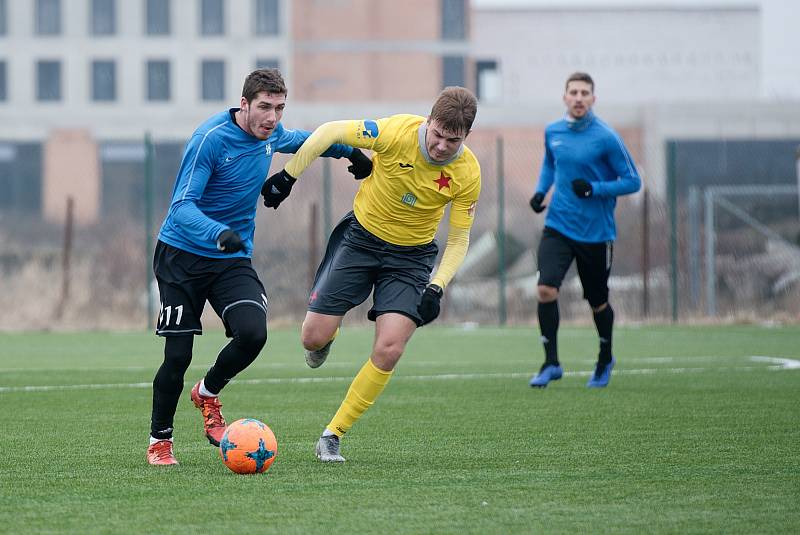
x=162, y=450
x=212, y=412
x=332, y=445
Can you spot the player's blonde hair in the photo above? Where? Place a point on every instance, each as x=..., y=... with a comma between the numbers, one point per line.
x=455, y=109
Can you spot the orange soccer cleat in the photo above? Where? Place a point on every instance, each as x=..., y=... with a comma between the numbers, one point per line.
x=213, y=421
x=160, y=453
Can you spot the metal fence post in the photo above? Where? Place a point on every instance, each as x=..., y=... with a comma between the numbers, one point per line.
x=149, y=175
x=694, y=245
x=501, y=235
x=327, y=197
x=711, y=269
x=672, y=191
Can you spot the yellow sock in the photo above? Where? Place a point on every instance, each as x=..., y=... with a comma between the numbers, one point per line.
x=364, y=390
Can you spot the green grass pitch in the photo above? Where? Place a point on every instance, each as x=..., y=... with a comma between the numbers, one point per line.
x=699, y=431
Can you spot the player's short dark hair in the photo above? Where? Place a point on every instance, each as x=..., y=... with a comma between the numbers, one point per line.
x=269, y=80
x=579, y=77
x=455, y=109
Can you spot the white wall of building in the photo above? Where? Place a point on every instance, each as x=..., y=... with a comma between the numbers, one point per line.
x=131, y=114
x=780, y=59
x=636, y=55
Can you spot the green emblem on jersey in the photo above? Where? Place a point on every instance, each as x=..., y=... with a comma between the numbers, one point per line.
x=409, y=199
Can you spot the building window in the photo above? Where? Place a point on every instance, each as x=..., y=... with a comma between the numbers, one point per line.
x=48, y=17
x=48, y=80
x=21, y=178
x=452, y=70
x=266, y=17
x=453, y=19
x=157, y=17
x=213, y=80
x=3, y=18
x=104, y=81
x=487, y=81
x=268, y=63
x=158, y=88
x=212, y=17
x=3, y=83
x=103, y=17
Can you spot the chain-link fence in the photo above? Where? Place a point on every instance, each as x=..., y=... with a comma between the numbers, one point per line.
x=96, y=275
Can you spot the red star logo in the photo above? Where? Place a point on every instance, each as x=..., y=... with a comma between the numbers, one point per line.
x=443, y=181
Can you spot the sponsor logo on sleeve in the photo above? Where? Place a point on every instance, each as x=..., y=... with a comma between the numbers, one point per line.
x=370, y=129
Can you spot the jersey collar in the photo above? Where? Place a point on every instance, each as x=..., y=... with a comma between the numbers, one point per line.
x=423, y=128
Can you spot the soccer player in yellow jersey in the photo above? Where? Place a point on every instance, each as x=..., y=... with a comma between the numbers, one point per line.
x=386, y=244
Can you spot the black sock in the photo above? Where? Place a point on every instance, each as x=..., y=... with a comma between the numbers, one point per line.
x=548, y=325
x=604, y=320
x=168, y=384
x=249, y=329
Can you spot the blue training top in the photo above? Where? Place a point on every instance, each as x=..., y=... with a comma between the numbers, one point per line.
x=219, y=182
x=591, y=150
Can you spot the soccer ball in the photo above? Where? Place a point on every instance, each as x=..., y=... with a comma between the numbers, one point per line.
x=248, y=446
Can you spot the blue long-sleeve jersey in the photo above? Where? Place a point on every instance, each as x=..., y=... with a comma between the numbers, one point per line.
x=595, y=153
x=219, y=182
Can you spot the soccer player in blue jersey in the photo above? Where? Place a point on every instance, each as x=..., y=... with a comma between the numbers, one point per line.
x=588, y=167
x=205, y=245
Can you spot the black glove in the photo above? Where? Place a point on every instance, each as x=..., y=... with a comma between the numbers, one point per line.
x=536, y=203
x=229, y=241
x=362, y=165
x=277, y=188
x=429, y=306
x=582, y=188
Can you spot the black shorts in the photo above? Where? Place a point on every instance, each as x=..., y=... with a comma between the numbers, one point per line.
x=593, y=261
x=186, y=281
x=356, y=262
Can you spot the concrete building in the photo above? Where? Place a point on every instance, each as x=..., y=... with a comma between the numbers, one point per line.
x=102, y=73
x=88, y=78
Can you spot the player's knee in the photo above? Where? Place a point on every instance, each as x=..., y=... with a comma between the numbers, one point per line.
x=178, y=352
x=546, y=294
x=177, y=357
x=253, y=337
x=313, y=336
x=388, y=352
x=312, y=339
x=249, y=329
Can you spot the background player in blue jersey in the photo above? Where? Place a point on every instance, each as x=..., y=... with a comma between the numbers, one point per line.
x=588, y=167
x=204, y=249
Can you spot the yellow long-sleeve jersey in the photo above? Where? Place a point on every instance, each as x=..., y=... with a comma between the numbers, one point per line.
x=403, y=200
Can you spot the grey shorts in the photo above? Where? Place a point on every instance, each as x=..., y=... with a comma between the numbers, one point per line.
x=357, y=262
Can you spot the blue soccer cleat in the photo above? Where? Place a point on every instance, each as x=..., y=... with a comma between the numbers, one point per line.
x=548, y=372
x=601, y=375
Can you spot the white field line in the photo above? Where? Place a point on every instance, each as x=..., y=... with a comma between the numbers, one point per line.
x=264, y=363
x=777, y=364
